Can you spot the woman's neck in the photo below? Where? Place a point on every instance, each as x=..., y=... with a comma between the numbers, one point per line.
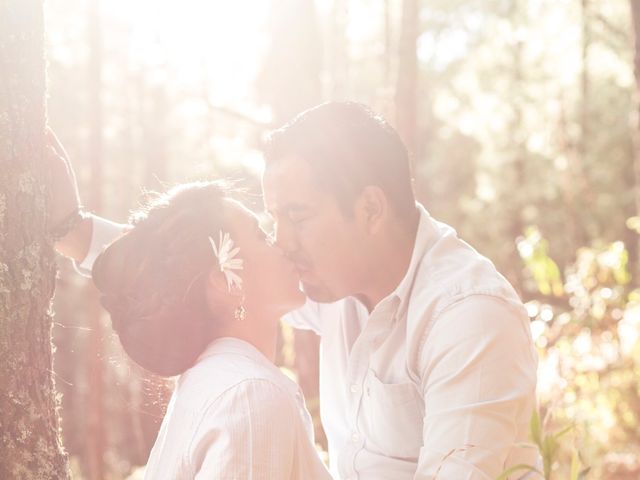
x=259, y=331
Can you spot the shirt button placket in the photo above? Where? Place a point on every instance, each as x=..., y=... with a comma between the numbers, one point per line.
x=355, y=438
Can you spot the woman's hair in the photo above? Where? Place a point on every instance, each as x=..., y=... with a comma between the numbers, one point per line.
x=152, y=278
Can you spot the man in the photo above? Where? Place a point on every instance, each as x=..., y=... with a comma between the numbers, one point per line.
x=427, y=364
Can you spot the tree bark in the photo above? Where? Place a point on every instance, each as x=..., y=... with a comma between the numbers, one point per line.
x=407, y=85
x=30, y=445
x=635, y=135
x=518, y=160
x=96, y=437
x=290, y=78
x=290, y=83
x=386, y=60
x=338, y=50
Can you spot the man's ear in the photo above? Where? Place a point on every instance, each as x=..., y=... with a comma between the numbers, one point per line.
x=372, y=208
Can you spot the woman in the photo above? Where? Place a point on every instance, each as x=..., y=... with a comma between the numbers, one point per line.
x=196, y=289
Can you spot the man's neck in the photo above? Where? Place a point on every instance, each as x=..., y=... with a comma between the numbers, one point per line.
x=396, y=253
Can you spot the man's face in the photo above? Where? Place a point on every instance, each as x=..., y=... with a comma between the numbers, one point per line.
x=312, y=229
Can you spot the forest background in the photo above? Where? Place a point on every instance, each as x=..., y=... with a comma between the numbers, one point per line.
x=522, y=120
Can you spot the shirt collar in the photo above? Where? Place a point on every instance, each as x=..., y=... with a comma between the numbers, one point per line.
x=426, y=235
x=235, y=346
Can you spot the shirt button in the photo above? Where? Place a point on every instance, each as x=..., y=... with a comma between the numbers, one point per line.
x=354, y=388
x=355, y=438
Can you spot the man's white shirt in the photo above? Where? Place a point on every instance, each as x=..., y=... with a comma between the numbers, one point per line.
x=439, y=379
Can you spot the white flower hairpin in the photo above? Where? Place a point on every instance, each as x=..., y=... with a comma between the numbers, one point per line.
x=227, y=261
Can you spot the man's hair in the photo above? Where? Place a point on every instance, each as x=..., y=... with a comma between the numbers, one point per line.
x=349, y=147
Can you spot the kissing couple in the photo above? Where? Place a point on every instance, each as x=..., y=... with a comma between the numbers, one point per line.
x=427, y=366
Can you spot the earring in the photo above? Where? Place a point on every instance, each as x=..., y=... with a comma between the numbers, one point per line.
x=240, y=313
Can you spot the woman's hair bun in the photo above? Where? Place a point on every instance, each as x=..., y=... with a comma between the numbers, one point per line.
x=151, y=278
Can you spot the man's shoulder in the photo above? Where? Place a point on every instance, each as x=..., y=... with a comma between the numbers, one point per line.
x=451, y=270
x=451, y=273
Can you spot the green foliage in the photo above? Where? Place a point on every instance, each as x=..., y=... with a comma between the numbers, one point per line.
x=589, y=346
x=550, y=446
x=534, y=250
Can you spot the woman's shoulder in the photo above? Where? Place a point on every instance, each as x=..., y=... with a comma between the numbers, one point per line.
x=252, y=404
x=221, y=395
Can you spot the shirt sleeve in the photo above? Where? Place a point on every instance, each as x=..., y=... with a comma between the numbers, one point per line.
x=478, y=384
x=103, y=232
x=249, y=432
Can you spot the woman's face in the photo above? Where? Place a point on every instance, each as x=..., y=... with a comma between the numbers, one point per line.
x=270, y=282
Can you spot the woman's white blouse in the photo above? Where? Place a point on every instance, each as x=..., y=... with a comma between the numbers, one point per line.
x=235, y=415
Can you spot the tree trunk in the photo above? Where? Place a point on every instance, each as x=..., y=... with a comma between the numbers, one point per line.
x=29, y=423
x=518, y=161
x=156, y=132
x=290, y=83
x=407, y=86
x=635, y=135
x=338, y=50
x=386, y=60
x=290, y=78
x=578, y=191
x=96, y=432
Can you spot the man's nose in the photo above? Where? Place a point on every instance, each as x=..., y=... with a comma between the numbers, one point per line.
x=285, y=238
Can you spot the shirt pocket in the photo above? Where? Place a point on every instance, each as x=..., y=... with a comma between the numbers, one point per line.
x=392, y=417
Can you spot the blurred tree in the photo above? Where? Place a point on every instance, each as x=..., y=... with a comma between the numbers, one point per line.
x=407, y=83
x=290, y=78
x=96, y=431
x=522, y=120
x=387, y=54
x=516, y=163
x=29, y=424
x=337, y=51
x=290, y=83
x=634, y=243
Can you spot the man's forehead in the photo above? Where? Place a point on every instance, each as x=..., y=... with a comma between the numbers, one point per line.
x=288, y=182
x=288, y=170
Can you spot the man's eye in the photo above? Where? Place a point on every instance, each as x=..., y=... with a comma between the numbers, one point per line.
x=298, y=217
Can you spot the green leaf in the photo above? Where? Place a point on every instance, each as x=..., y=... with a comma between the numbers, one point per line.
x=535, y=429
x=583, y=473
x=516, y=468
x=562, y=432
x=549, y=446
x=575, y=466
